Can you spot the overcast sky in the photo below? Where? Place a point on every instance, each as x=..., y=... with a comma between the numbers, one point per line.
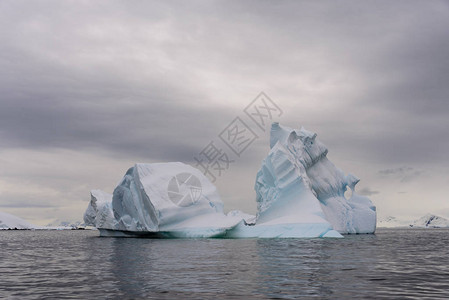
x=88, y=88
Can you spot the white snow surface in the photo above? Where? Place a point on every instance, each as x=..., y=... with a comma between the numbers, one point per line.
x=300, y=193
x=8, y=221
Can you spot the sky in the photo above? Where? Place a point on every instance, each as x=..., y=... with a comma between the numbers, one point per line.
x=89, y=88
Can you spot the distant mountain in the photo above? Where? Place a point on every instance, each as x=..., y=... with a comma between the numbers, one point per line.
x=431, y=221
x=391, y=222
x=65, y=224
x=8, y=221
x=427, y=221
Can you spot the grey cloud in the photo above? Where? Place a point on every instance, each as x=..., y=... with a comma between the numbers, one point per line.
x=400, y=170
x=368, y=192
x=85, y=85
x=406, y=174
x=10, y=200
x=152, y=128
x=156, y=81
x=412, y=176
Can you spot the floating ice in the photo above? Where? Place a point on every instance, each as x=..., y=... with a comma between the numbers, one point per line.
x=300, y=193
x=164, y=200
x=286, y=205
x=99, y=211
x=307, y=157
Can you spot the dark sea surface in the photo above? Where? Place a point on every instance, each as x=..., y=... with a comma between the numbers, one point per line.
x=393, y=263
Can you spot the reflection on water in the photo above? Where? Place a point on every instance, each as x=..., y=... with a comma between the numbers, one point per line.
x=78, y=264
x=184, y=267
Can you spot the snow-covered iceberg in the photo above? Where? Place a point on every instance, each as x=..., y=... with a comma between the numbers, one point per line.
x=177, y=200
x=286, y=205
x=161, y=200
x=303, y=158
x=99, y=211
x=300, y=193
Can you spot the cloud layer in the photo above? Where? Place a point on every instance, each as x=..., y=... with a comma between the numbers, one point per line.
x=156, y=81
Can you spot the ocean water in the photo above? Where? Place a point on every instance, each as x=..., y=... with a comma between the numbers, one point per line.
x=393, y=263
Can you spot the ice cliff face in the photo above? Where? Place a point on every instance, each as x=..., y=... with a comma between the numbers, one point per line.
x=297, y=162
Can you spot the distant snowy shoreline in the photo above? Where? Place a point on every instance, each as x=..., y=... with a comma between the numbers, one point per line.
x=46, y=228
x=11, y=222
x=427, y=221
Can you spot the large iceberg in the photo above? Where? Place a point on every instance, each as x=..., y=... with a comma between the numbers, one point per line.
x=296, y=166
x=300, y=193
x=161, y=200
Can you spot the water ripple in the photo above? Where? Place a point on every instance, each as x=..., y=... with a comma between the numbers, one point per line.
x=394, y=263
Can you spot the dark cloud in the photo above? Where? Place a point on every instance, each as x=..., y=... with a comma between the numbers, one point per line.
x=152, y=130
x=156, y=81
x=94, y=77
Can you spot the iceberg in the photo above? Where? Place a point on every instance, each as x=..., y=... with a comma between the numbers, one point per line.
x=161, y=200
x=308, y=163
x=299, y=194
x=286, y=205
x=99, y=211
